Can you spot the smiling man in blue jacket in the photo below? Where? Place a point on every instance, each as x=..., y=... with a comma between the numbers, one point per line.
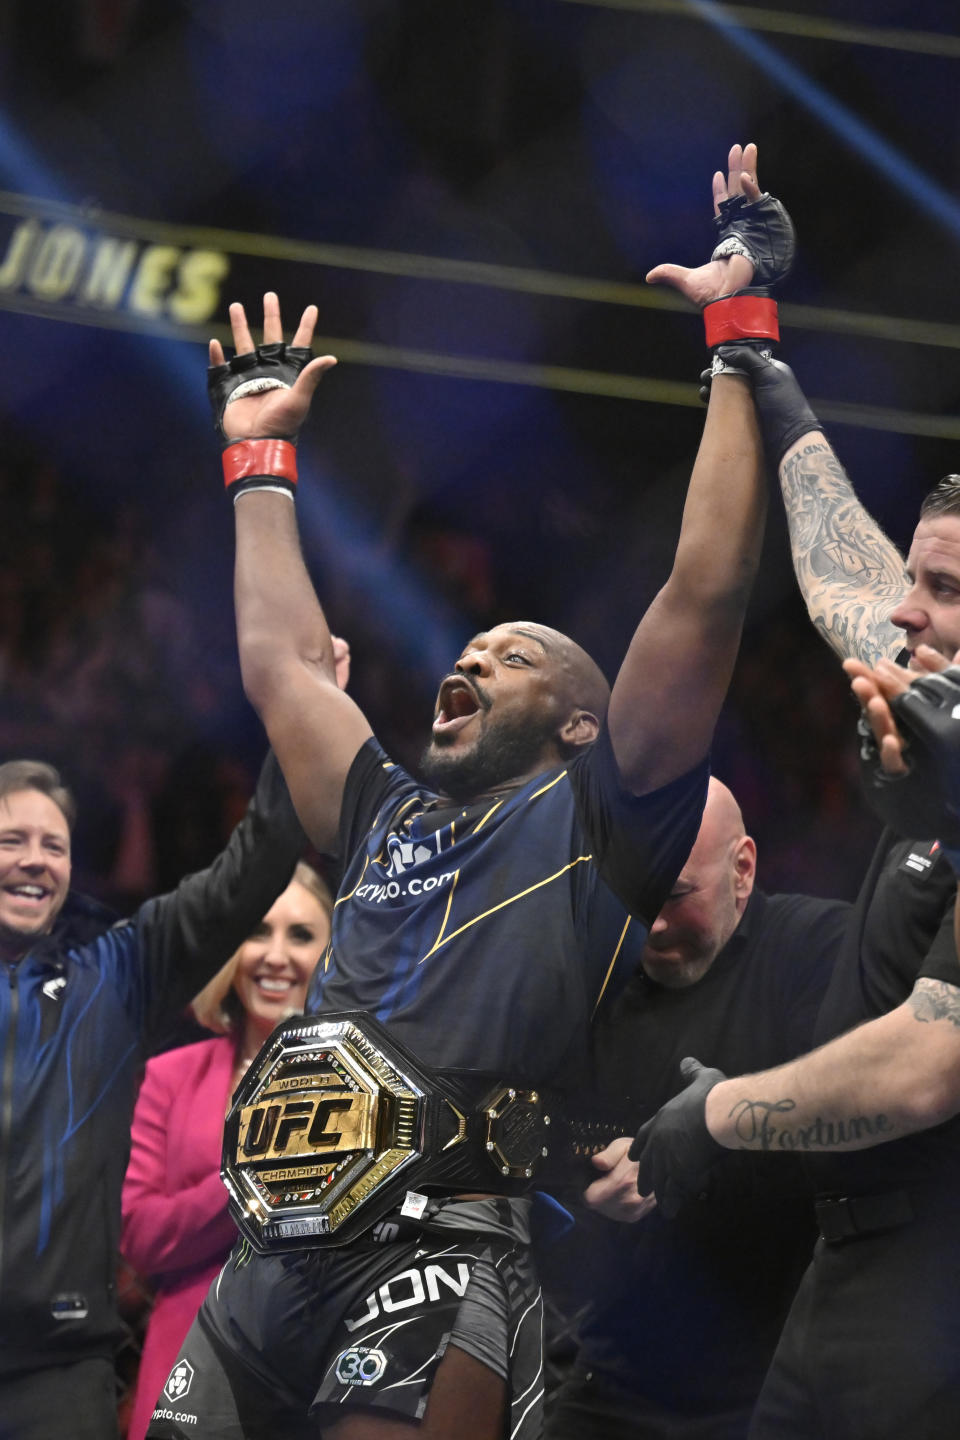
x=79, y=996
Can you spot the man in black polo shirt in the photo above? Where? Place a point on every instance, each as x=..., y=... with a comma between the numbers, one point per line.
x=872, y=1346
x=736, y=977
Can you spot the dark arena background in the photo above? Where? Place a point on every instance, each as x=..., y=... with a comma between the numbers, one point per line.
x=472, y=194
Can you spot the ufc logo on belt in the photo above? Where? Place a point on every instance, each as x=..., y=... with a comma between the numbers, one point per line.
x=306, y=1125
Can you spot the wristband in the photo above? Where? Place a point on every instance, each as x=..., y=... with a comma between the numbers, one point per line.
x=746, y=315
x=260, y=465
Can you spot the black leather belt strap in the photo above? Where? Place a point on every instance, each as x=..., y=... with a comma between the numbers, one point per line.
x=526, y=1138
x=847, y=1217
x=575, y=1138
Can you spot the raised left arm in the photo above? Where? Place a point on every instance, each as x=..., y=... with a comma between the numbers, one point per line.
x=673, y=680
x=185, y=936
x=672, y=683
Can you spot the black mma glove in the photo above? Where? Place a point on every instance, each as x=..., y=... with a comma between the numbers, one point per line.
x=759, y=229
x=257, y=464
x=924, y=803
x=763, y=232
x=675, y=1149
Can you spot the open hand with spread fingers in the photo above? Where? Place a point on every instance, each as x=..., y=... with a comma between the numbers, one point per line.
x=266, y=390
x=756, y=239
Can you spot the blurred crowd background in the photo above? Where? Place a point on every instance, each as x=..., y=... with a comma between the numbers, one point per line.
x=106, y=669
x=472, y=194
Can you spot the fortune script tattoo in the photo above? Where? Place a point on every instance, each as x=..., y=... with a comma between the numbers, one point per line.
x=758, y=1125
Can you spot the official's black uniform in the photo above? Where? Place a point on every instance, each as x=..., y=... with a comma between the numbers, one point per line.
x=871, y=1349
x=685, y=1314
x=74, y=1013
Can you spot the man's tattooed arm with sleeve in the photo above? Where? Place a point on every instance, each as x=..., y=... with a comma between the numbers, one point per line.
x=890, y=1077
x=850, y=574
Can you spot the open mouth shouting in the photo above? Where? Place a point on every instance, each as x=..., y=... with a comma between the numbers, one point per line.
x=458, y=701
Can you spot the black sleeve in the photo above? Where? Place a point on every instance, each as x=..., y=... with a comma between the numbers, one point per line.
x=639, y=843
x=811, y=942
x=372, y=779
x=183, y=938
x=941, y=961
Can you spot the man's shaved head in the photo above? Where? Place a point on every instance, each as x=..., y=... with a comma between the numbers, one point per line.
x=587, y=685
x=708, y=898
x=722, y=824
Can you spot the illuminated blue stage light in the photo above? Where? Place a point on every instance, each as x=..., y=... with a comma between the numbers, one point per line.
x=855, y=133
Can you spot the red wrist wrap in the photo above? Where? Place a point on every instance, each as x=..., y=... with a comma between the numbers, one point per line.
x=275, y=459
x=740, y=317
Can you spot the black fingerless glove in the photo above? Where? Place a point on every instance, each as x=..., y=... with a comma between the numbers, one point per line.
x=762, y=231
x=257, y=464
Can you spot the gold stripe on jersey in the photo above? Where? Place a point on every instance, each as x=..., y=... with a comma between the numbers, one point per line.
x=381, y=857
x=548, y=880
x=544, y=788
x=414, y=800
x=479, y=826
x=341, y=898
x=446, y=916
x=610, y=967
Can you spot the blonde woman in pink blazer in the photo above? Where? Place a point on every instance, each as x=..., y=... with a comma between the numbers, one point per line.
x=175, y=1223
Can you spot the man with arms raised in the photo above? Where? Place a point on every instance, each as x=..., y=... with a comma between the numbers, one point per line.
x=482, y=914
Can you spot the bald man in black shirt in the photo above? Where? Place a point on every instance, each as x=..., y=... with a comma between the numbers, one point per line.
x=685, y=1314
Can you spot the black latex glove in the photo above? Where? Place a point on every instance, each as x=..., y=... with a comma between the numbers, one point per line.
x=675, y=1149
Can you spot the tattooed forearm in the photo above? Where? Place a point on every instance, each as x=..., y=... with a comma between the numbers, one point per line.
x=935, y=1000
x=760, y=1125
x=851, y=575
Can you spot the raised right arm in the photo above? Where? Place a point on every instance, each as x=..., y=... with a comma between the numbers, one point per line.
x=286, y=651
x=286, y=660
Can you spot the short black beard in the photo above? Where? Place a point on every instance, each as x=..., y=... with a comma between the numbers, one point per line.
x=503, y=753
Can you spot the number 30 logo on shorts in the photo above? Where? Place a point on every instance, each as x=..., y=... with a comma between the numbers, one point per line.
x=360, y=1365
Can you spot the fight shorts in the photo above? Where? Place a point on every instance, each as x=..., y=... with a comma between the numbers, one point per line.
x=287, y=1343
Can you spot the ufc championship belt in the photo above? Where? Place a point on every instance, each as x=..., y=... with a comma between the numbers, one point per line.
x=335, y=1121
